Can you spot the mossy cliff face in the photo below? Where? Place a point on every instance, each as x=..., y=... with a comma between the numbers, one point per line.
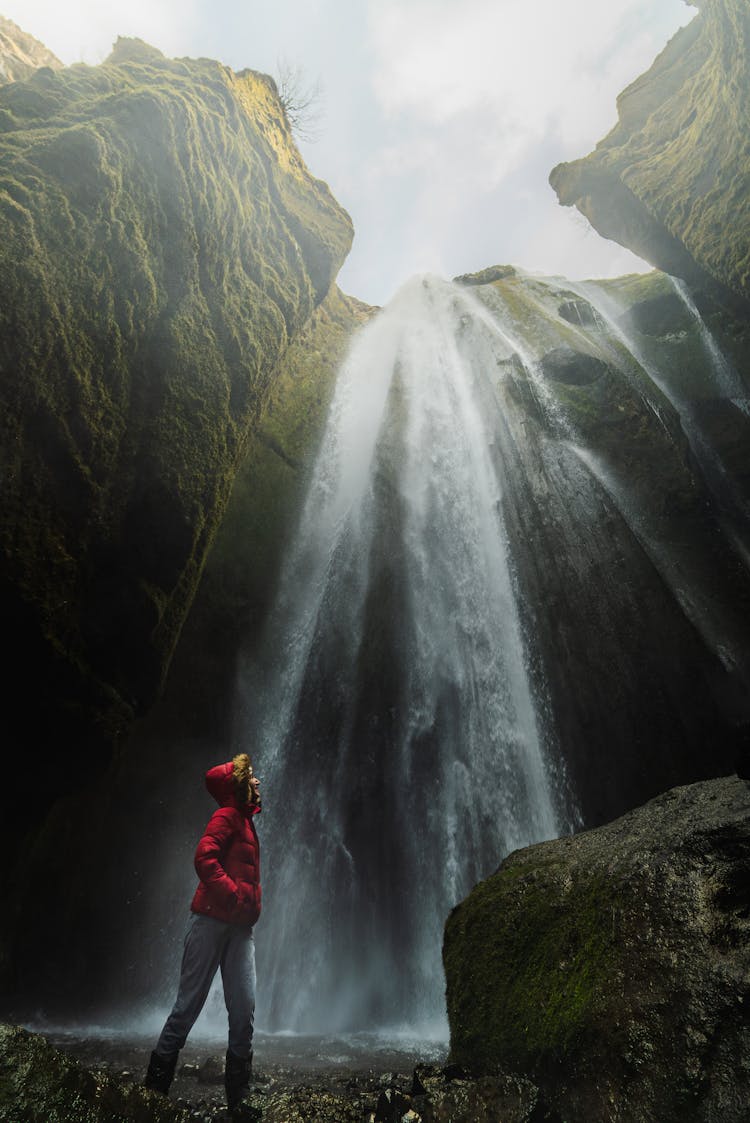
x=161, y=242
x=671, y=180
x=612, y=967
x=151, y=797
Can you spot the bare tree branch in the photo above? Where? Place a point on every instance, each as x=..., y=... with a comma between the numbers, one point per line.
x=302, y=101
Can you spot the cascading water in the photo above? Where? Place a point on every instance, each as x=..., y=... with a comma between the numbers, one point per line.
x=682, y=565
x=721, y=384
x=393, y=716
x=728, y=382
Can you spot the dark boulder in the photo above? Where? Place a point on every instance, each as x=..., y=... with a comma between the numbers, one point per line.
x=574, y=368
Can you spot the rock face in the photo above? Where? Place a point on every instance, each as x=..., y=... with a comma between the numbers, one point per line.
x=21, y=54
x=671, y=179
x=161, y=245
x=613, y=968
x=162, y=242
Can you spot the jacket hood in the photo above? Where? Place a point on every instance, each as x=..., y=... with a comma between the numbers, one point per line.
x=221, y=786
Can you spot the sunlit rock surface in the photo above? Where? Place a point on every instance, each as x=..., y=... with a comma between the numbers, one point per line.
x=21, y=54
x=671, y=181
x=613, y=967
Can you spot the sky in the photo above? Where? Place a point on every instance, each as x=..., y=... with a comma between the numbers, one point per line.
x=439, y=121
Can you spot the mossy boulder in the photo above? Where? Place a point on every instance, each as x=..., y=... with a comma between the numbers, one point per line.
x=613, y=967
x=161, y=243
x=670, y=181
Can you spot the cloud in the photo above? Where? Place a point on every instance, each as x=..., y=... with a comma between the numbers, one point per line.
x=85, y=30
x=514, y=69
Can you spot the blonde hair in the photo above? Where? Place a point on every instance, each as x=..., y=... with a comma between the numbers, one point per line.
x=242, y=771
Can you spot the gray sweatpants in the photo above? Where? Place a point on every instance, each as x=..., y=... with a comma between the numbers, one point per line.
x=211, y=943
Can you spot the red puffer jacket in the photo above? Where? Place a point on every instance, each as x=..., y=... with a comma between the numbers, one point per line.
x=227, y=859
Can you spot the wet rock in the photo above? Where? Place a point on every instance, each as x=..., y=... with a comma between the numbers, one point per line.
x=580, y=312
x=303, y=1105
x=452, y=1095
x=123, y=442
x=661, y=315
x=574, y=368
x=211, y=1071
x=392, y=1106
x=613, y=967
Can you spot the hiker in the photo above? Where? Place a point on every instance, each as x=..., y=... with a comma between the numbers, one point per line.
x=224, y=909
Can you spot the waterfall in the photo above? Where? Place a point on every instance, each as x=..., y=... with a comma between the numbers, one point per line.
x=393, y=716
x=728, y=382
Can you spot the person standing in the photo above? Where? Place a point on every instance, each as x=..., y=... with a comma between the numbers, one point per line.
x=225, y=908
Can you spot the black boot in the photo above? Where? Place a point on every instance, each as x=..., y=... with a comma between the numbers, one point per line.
x=160, y=1072
x=237, y=1076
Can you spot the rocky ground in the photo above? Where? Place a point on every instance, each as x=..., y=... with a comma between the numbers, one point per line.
x=296, y=1079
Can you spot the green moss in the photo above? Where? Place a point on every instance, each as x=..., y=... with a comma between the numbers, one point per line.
x=486, y=276
x=633, y=288
x=526, y=972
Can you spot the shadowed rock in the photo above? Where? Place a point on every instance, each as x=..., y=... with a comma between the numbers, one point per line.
x=161, y=244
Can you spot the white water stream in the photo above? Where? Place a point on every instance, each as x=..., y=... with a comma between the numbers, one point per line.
x=394, y=718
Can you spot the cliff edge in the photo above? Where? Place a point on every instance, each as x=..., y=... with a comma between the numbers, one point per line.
x=673, y=176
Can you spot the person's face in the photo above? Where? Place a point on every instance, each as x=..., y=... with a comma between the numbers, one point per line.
x=254, y=790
